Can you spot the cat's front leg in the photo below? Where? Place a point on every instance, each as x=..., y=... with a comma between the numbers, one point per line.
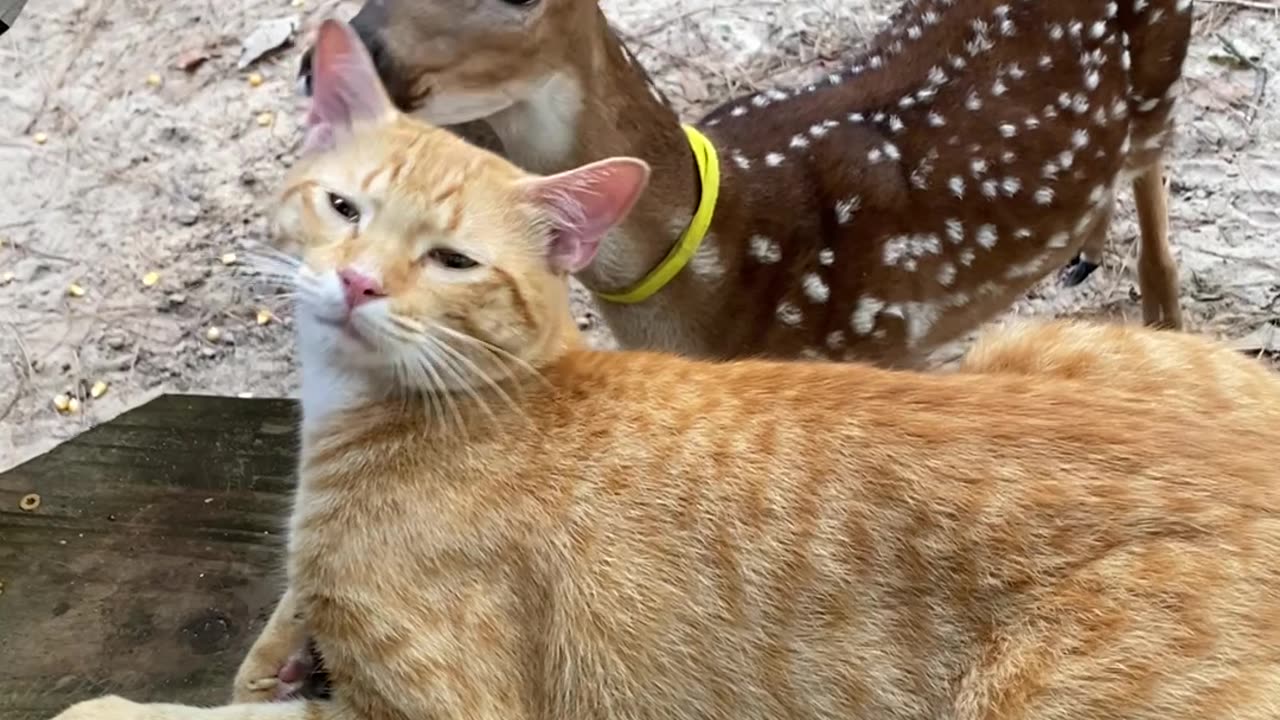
x=276, y=666
x=117, y=708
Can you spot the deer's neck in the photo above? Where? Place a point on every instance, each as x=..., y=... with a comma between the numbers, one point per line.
x=603, y=105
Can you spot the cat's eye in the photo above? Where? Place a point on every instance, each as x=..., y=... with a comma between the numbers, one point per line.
x=452, y=260
x=344, y=207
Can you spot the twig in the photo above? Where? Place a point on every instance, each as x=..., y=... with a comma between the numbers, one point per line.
x=1261, y=75
x=77, y=50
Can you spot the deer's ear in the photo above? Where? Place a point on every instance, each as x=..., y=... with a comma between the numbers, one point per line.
x=583, y=204
x=345, y=87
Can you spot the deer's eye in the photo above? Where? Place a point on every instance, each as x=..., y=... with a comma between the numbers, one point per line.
x=344, y=207
x=450, y=259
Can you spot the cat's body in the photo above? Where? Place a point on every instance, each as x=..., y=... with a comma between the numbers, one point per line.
x=595, y=535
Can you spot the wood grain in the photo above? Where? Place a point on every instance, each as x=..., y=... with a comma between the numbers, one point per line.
x=153, y=559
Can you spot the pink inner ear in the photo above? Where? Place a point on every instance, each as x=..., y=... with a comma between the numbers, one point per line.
x=345, y=86
x=584, y=204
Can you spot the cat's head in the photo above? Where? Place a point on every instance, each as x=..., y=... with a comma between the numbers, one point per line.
x=423, y=257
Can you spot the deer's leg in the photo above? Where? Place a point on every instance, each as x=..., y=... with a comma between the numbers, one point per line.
x=1090, y=256
x=1157, y=271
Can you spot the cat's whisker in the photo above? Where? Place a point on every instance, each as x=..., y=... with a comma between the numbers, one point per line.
x=446, y=363
x=479, y=372
x=498, y=353
x=439, y=388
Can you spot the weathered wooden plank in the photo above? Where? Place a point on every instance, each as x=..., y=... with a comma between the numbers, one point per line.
x=153, y=559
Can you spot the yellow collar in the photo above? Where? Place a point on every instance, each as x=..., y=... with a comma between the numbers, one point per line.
x=709, y=177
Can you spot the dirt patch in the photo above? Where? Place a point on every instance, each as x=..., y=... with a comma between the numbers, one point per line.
x=137, y=177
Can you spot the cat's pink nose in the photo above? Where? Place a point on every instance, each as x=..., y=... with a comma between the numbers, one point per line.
x=359, y=288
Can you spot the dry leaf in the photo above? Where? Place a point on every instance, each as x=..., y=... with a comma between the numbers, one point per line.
x=267, y=37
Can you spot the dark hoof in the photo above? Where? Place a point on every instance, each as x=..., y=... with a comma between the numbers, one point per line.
x=1078, y=271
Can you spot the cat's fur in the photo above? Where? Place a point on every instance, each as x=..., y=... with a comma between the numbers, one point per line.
x=639, y=535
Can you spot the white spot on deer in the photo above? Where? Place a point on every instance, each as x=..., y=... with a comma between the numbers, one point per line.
x=930, y=18
x=1008, y=129
x=903, y=250
x=657, y=94
x=946, y=274
x=1091, y=80
x=957, y=62
x=856, y=117
x=990, y=189
x=1183, y=6
x=1016, y=72
x=774, y=159
x=833, y=79
x=956, y=184
x=1049, y=112
x=1058, y=240
x=920, y=319
x=706, y=262
x=835, y=340
x=1156, y=16
x=875, y=62
x=1022, y=233
x=799, y=142
x=1044, y=195
x=1111, y=10
x=1025, y=269
x=967, y=256
x=818, y=130
x=826, y=256
x=1066, y=159
x=846, y=209
x=765, y=250
x=1098, y=29
x=1050, y=170
x=914, y=32
x=1045, y=62
x=738, y=111
x=891, y=151
x=998, y=88
x=1100, y=117
x=760, y=101
x=936, y=120
x=973, y=102
x=741, y=161
x=816, y=289
x=895, y=124
x=987, y=236
x=1083, y=224
x=864, y=314
x=1146, y=106
x=875, y=155
x=1080, y=139
x=1080, y=104
x=789, y=313
x=978, y=167
x=1124, y=146
x=1010, y=186
x=1032, y=122
x=1008, y=157
x=955, y=231
x=1055, y=31
x=937, y=76
x=1124, y=60
x=1075, y=28
x=906, y=101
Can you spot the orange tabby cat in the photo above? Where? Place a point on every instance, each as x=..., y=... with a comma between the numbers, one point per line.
x=1169, y=367
x=494, y=522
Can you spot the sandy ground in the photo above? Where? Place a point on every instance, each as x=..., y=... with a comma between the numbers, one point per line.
x=134, y=178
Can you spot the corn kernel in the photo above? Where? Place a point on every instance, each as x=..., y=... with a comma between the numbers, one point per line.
x=154, y=80
x=150, y=279
x=266, y=119
x=229, y=258
x=73, y=406
x=6, y=277
x=98, y=390
x=255, y=79
x=213, y=334
x=62, y=402
x=75, y=290
x=40, y=138
x=264, y=316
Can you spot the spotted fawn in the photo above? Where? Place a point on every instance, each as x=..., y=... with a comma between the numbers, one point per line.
x=972, y=149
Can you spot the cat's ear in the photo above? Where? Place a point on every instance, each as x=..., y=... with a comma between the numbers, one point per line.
x=583, y=204
x=345, y=87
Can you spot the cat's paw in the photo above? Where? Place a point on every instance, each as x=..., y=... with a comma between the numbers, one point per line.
x=110, y=707
x=260, y=679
